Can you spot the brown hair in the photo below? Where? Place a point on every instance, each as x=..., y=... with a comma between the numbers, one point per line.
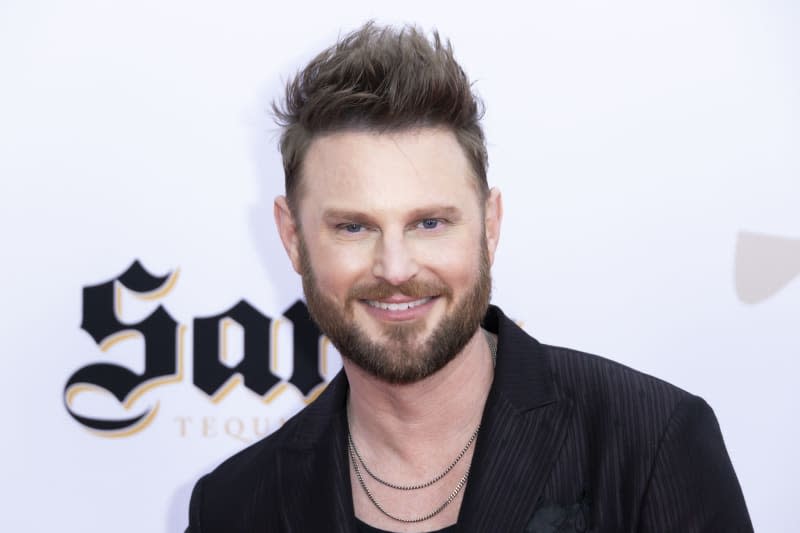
x=381, y=79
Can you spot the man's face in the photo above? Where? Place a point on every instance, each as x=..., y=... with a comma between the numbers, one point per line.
x=394, y=246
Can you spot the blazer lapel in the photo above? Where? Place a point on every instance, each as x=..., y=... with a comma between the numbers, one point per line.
x=524, y=427
x=314, y=470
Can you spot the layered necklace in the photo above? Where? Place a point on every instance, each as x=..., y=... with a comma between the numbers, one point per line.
x=358, y=464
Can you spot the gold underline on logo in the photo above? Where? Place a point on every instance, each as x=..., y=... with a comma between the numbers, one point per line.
x=323, y=344
x=74, y=390
x=161, y=291
x=151, y=295
x=85, y=387
x=273, y=363
x=316, y=391
x=118, y=299
x=115, y=434
x=181, y=345
x=231, y=384
x=274, y=392
x=136, y=393
x=108, y=342
x=223, y=338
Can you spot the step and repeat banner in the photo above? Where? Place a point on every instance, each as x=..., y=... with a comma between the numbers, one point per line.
x=152, y=325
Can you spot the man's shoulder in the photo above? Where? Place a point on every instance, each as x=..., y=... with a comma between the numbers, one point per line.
x=579, y=372
x=603, y=389
x=244, y=492
x=587, y=380
x=632, y=442
x=256, y=464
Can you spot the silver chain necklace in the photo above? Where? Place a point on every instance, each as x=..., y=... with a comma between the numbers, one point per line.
x=447, y=470
x=459, y=486
x=356, y=459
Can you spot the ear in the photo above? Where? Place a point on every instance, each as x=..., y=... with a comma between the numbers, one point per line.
x=492, y=221
x=288, y=230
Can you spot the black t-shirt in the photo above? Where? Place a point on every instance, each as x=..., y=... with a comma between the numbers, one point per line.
x=361, y=527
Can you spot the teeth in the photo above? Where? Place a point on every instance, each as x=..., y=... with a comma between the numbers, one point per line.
x=397, y=306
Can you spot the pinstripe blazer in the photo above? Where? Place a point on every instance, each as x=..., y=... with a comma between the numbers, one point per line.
x=568, y=442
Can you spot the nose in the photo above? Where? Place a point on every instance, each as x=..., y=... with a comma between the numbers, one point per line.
x=394, y=259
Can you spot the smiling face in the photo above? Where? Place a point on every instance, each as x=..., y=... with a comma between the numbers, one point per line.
x=394, y=243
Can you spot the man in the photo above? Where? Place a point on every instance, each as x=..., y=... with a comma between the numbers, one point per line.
x=447, y=416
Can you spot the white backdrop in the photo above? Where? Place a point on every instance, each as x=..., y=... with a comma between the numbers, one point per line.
x=648, y=154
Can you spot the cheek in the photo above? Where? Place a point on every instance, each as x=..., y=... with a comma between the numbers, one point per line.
x=457, y=263
x=337, y=270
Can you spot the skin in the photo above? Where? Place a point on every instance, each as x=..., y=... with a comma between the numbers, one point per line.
x=396, y=210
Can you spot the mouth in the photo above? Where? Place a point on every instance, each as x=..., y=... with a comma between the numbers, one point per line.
x=398, y=306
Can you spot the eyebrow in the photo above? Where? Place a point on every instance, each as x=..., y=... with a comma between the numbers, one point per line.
x=437, y=211
x=433, y=211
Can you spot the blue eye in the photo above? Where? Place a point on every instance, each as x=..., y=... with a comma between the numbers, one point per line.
x=353, y=228
x=430, y=223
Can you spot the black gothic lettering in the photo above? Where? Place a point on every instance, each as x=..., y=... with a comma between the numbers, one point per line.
x=100, y=320
x=305, y=375
x=210, y=374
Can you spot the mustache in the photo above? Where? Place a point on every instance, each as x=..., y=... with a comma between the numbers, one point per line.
x=412, y=288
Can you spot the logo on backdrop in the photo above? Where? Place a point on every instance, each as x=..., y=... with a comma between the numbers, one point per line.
x=163, y=357
x=765, y=264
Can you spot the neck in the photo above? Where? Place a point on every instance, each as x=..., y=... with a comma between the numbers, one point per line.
x=444, y=407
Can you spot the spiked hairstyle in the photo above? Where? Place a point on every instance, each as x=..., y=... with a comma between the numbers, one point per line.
x=380, y=79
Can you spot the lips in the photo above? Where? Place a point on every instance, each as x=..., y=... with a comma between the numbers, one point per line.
x=397, y=306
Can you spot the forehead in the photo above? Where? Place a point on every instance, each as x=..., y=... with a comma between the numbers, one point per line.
x=386, y=171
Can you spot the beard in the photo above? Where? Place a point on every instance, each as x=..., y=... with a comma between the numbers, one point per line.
x=399, y=357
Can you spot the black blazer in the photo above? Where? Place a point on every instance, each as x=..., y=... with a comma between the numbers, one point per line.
x=568, y=442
